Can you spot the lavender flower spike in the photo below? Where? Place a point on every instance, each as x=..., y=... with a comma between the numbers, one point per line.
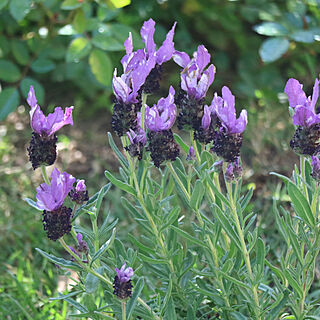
x=162, y=116
x=122, y=282
x=51, y=197
x=227, y=113
x=81, y=186
x=50, y=124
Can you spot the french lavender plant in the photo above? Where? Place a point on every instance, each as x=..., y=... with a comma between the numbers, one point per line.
x=189, y=247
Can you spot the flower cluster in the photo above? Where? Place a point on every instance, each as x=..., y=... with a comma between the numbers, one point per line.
x=306, y=140
x=216, y=124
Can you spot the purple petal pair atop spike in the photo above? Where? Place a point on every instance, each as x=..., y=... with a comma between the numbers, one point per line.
x=42, y=149
x=138, y=140
x=52, y=123
x=195, y=82
x=233, y=171
x=122, y=282
x=50, y=199
x=306, y=140
x=304, y=114
x=159, y=120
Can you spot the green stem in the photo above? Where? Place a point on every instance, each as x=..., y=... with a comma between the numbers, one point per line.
x=123, y=308
x=143, y=109
x=303, y=176
x=244, y=248
x=211, y=246
x=44, y=175
x=101, y=277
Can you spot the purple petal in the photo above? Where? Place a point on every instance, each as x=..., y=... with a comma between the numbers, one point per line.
x=32, y=100
x=165, y=52
x=240, y=123
x=205, y=82
x=296, y=95
x=206, y=119
x=131, y=135
x=120, y=88
x=229, y=98
x=45, y=200
x=81, y=186
x=181, y=58
x=315, y=94
x=147, y=32
x=305, y=117
x=202, y=58
x=37, y=120
x=128, y=44
x=59, y=123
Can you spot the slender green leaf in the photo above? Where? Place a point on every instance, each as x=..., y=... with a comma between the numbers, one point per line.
x=197, y=195
x=166, y=298
x=32, y=203
x=104, y=247
x=121, y=185
x=301, y=205
x=181, y=143
x=134, y=299
x=293, y=283
x=188, y=236
x=64, y=296
x=60, y=261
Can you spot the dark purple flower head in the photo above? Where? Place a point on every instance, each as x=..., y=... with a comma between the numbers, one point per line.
x=162, y=115
x=124, y=274
x=51, y=197
x=226, y=112
x=194, y=80
x=50, y=124
x=304, y=114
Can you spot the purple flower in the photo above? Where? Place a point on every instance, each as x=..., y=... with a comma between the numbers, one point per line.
x=81, y=186
x=51, y=197
x=74, y=251
x=50, y=124
x=304, y=115
x=162, y=116
x=124, y=274
x=166, y=51
x=191, y=154
x=233, y=171
x=226, y=112
x=138, y=136
x=194, y=80
x=206, y=118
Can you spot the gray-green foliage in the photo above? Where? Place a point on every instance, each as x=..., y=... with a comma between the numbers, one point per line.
x=195, y=247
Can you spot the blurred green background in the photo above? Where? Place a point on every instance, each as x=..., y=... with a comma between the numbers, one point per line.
x=68, y=50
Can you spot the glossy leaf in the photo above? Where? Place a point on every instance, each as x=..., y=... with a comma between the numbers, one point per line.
x=20, y=52
x=271, y=29
x=9, y=72
x=9, y=100
x=42, y=65
x=19, y=8
x=101, y=66
x=273, y=49
x=78, y=49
